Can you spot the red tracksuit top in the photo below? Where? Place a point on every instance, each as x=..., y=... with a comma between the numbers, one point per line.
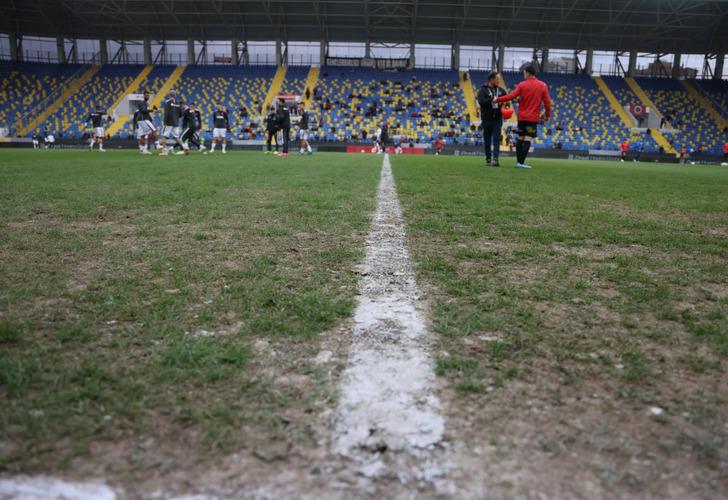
x=725, y=148
x=532, y=92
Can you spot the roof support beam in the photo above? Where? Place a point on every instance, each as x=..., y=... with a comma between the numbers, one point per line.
x=103, y=51
x=61, y=50
x=719, y=62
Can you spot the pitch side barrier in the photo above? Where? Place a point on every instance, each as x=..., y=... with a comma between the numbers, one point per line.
x=419, y=149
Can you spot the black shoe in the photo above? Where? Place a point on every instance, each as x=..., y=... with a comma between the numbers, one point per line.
x=495, y=163
x=488, y=162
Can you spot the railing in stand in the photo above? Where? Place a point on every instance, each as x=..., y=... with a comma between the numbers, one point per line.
x=45, y=103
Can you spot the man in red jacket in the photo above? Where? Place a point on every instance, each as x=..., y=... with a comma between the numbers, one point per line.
x=724, y=163
x=532, y=93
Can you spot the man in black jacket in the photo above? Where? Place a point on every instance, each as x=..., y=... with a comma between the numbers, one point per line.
x=491, y=118
x=284, y=123
x=271, y=129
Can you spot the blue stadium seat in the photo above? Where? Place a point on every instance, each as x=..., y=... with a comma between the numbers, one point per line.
x=417, y=105
x=25, y=85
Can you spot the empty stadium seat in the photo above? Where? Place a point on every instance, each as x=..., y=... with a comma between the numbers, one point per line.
x=103, y=89
x=417, y=105
x=23, y=86
x=295, y=80
x=625, y=96
x=234, y=87
x=153, y=83
x=717, y=93
x=695, y=126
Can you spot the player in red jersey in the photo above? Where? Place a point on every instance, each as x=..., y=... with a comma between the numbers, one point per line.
x=624, y=148
x=532, y=92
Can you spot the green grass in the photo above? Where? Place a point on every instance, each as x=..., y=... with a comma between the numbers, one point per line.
x=133, y=291
x=575, y=279
x=182, y=301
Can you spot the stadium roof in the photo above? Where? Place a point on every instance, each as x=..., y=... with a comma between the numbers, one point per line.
x=687, y=26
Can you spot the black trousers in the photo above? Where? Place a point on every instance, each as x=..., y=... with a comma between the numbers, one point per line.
x=492, y=137
x=190, y=135
x=286, y=138
x=272, y=137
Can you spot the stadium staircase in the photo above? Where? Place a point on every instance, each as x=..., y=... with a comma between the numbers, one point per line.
x=122, y=119
x=614, y=103
x=311, y=81
x=275, y=88
x=705, y=104
x=467, y=87
x=73, y=87
x=656, y=133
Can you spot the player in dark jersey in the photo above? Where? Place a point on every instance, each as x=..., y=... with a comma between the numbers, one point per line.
x=284, y=123
x=145, y=127
x=96, y=118
x=137, y=130
x=271, y=129
x=221, y=125
x=170, y=130
x=382, y=139
x=190, y=126
x=303, y=130
x=200, y=138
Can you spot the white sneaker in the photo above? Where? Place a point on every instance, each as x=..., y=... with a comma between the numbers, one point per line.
x=522, y=165
x=102, y=150
x=146, y=152
x=724, y=164
x=223, y=151
x=179, y=153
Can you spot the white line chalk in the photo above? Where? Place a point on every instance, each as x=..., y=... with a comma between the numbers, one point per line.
x=387, y=393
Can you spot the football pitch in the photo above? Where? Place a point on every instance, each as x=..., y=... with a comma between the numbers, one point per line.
x=160, y=317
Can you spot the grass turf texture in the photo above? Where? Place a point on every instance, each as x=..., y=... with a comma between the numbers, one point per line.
x=568, y=300
x=134, y=291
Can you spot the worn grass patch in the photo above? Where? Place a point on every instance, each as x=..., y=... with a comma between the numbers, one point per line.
x=162, y=298
x=571, y=299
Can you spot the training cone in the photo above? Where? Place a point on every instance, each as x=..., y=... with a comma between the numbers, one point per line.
x=507, y=113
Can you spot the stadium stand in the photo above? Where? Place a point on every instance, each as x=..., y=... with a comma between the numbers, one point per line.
x=24, y=85
x=624, y=94
x=717, y=93
x=582, y=117
x=695, y=127
x=102, y=89
x=295, y=80
x=349, y=104
x=235, y=87
x=417, y=105
x=153, y=82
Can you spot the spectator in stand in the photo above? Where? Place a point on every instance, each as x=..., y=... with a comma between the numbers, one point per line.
x=725, y=155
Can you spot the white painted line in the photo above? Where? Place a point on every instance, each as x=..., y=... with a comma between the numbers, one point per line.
x=50, y=488
x=388, y=400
